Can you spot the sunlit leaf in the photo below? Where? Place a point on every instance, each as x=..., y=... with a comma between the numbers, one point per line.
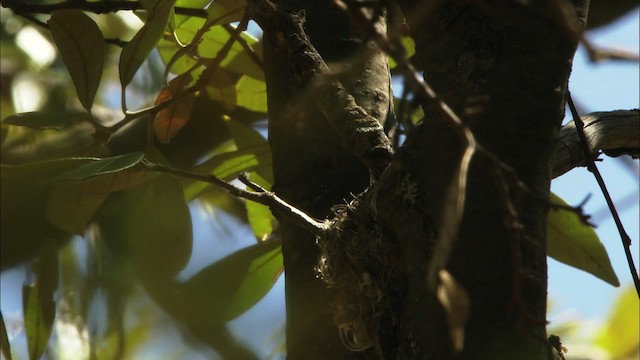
x=221, y=87
x=231, y=286
x=409, y=48
x=171, y=119
x=244, y=63
x=103, y=166
x=38, y=120
x=137, y=50
x=252, y=94
x=620, y=335
x=82, y=47
x=194, y=4
x=228, y=165
x=247, y=137
x=225, y=11
x=260, y=217
x=576, y=244
x=4, y=340
x=238, y=60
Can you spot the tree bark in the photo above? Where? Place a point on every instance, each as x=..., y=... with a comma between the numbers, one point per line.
x=505, y=70
x=314, y=171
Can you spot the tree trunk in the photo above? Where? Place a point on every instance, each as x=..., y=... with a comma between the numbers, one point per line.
x=504, y=69
x=313, y=171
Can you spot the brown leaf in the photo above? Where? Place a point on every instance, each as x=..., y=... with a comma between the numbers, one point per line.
x=171, y=119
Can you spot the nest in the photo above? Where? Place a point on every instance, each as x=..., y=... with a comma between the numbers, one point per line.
x=357, y=264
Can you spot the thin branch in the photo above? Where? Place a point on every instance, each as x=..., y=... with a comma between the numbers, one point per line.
x=591, y=166
x=598, y=54
x=261, y=196
x=252, y=54
x=97, y=7
x=614, y=132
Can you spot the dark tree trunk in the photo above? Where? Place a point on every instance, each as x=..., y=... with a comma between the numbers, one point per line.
x=313, y=171
x=504, y=70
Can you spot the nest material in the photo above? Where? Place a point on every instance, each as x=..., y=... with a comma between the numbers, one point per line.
x=357, y=263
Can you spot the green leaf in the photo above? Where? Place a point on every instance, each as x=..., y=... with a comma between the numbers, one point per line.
x=150, y=225
x=576, y=244
x=247, y=137
x=231, y=286
x=4, y=340
x=409, y=48
x=82, y=47
x=225, y=11
x=104, y=166
x=73, y=203
x=243, y=63
x=244, y=136
x=45, y=120
x=37, y=300
x=38, y=320
x=194, y=4
x=221, y=87
x=620, y=335
x=137, y=50
x=260, y=217
x=228, y=165
x=252, y=94
x=238, y=60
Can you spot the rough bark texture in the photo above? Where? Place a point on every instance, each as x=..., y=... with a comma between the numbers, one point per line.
x=505, y=72
x=313, y=171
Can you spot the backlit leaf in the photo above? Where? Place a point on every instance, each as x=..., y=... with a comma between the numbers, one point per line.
x=576, y=244
x=243, y=63
x=137, y=50
x=171, y=119
x=260, y=217
x=38, y=120
x=221, y=87
x=252, y=94
x=409, y=48
x=620, y=335
x=213, y=40
x=225, y=11
x=82, y=47
x=231, y=286
x=227, y=166
x=103, y=166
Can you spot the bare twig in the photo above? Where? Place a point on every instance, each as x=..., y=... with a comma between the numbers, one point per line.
x=591, y=166
x=261, y=196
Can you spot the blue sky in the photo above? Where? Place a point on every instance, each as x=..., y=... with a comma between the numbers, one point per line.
x=596, y=87
x=603, y=86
